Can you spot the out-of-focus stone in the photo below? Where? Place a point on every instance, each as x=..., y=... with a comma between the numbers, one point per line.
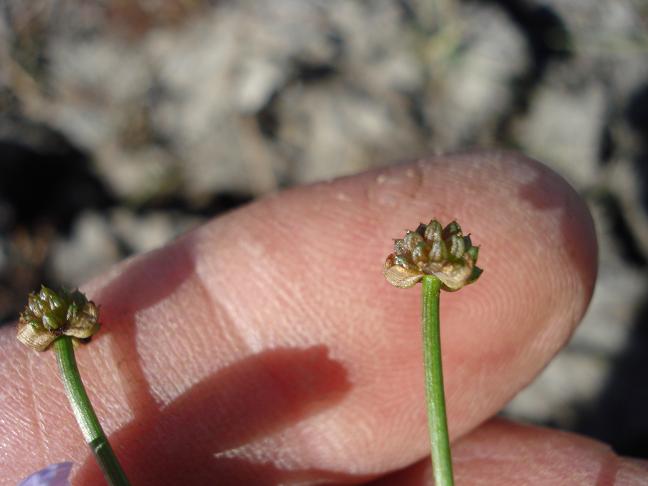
x=345, y=129
x=472, y=74
x=577, y=376
x=4, y=256
x=89, y=250
x=144, y=232
x=141, y=175
x=564, y=128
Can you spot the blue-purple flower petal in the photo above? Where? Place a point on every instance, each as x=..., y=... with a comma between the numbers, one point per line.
x=52, y=475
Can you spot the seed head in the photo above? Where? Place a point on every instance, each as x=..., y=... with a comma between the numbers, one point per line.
x=49, y=315
x=433, y=250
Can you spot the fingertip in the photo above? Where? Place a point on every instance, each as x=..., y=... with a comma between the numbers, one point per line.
x=503, y=452
x=302, y=271
x=538, y=252
x=325, y=245
x=632, y=472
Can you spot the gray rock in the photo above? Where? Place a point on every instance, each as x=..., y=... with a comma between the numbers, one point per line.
x=564, y=128
x=144, y=232
x=473, y=63
x=577, y=377
x=90, y=250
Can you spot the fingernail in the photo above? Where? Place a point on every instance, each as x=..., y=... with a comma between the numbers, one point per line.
x=52, y=475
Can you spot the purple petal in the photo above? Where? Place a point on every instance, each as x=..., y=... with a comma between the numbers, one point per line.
x=52, y=475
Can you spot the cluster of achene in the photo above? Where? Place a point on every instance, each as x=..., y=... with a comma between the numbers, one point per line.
x=433, y=250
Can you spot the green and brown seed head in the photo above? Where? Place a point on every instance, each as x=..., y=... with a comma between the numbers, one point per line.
x=50, y=314
x=433, y=250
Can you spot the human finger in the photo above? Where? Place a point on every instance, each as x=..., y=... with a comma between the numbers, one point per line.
x=267, y=344
x=502, y=452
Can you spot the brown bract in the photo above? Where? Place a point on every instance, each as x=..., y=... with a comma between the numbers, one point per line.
x=433, y=250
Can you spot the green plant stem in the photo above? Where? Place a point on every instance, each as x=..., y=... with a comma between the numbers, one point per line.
x=85, y=415
x=435, y=396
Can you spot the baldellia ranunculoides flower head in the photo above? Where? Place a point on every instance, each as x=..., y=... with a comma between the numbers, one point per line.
x=433, y=250
x=60, y=320
x=49, y=315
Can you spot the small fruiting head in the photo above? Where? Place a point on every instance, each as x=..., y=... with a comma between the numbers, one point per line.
x=49, y=315
x=433, y=250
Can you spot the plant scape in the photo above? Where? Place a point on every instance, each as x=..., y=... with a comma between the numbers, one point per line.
x=440, y=258
x=61, y=320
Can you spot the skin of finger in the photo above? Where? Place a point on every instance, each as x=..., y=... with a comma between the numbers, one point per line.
x=502, y=452
x=268, y=340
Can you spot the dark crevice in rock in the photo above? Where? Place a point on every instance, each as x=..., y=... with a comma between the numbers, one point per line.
x=637, y=112
x=547, y=40
x=607, y=145
x=310, y=72
x=268, y=119
x=545, y=33
x=621, y=231
x=416, y=109
x=209, y=207
x=637, y=116
x=618, y=416
x=47, y=184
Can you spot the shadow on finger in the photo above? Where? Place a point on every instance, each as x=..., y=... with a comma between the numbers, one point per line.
x=196, y=439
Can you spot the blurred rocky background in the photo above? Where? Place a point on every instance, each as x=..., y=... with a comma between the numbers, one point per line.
x=126, y=122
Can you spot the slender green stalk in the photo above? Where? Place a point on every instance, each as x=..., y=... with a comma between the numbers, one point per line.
x=435, y=396
x=440, y=258
x=85, y=415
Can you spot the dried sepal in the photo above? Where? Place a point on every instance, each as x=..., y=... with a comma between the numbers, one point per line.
x=433, y=250
x=453, y=275
x=400, y=276
x=37, y=340
x=49, y=315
